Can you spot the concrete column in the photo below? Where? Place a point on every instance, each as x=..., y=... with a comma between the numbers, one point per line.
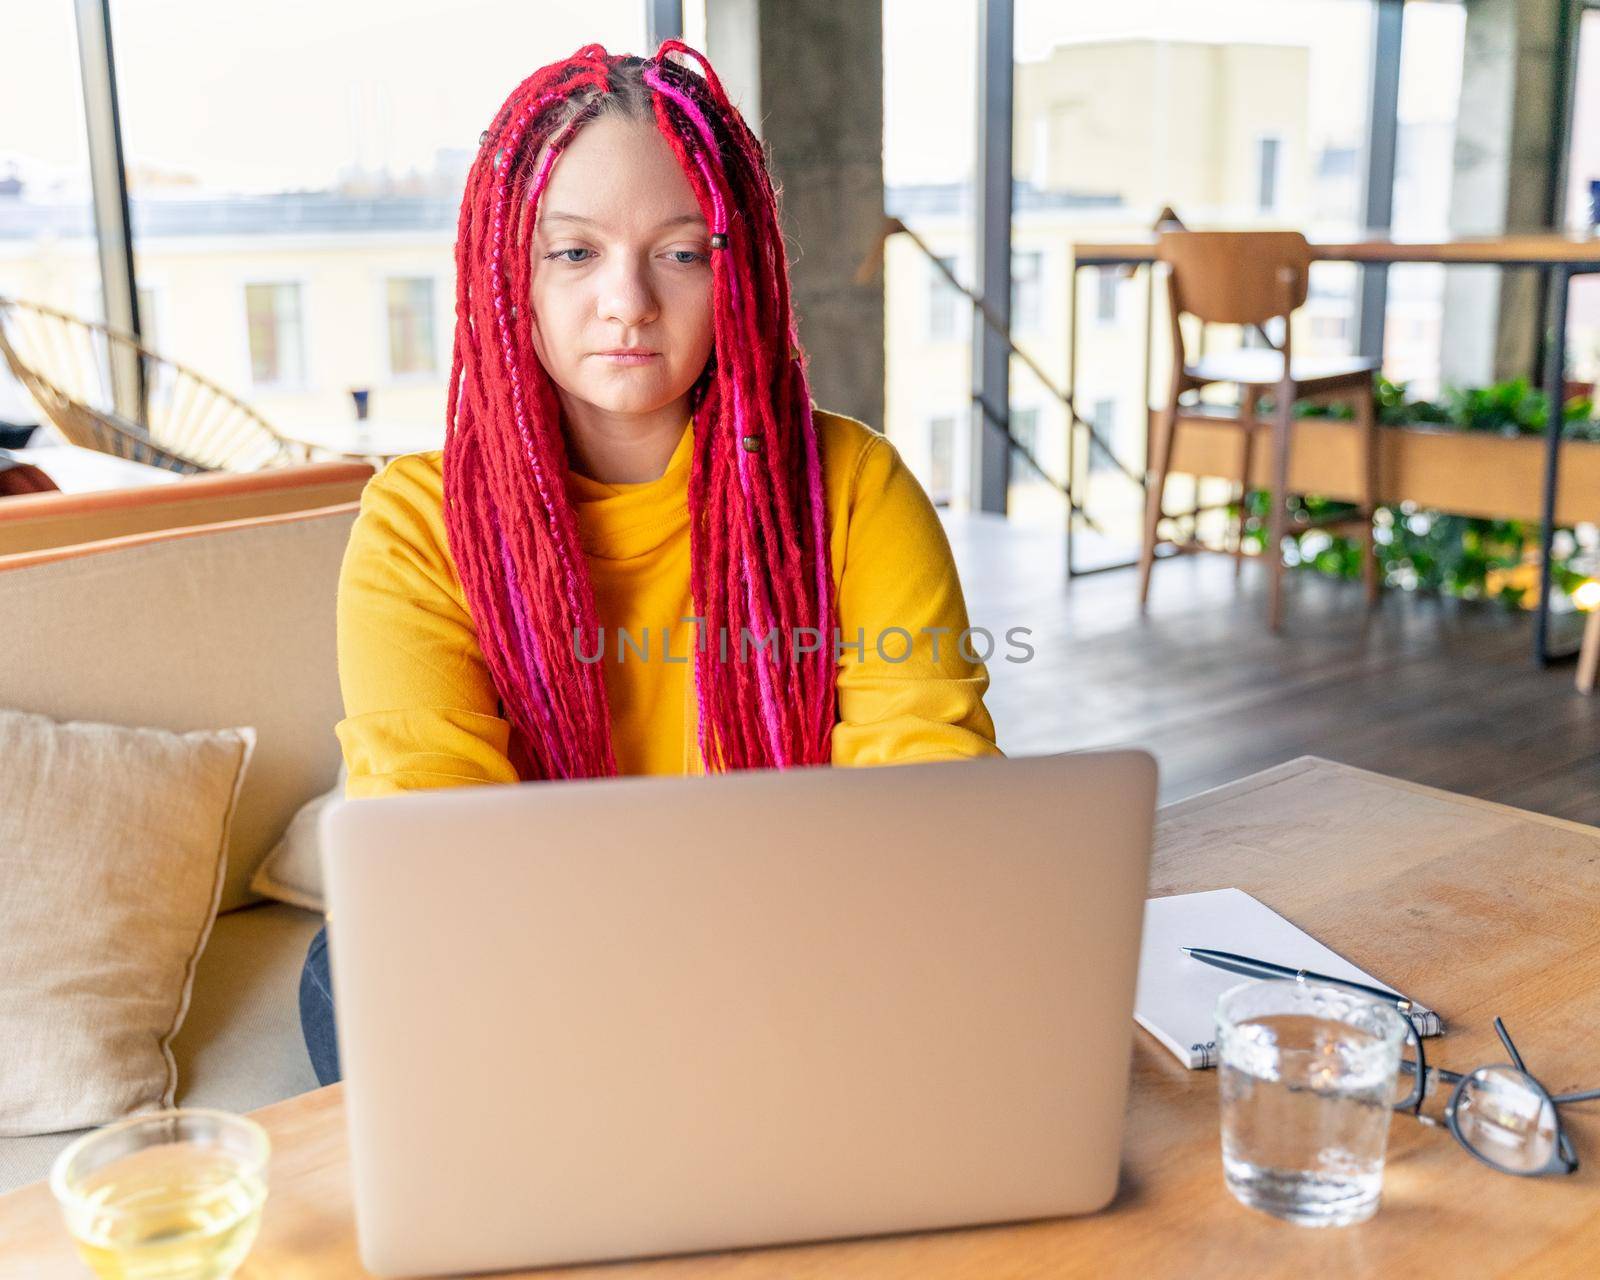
x=1506, y=168
x=808, y=75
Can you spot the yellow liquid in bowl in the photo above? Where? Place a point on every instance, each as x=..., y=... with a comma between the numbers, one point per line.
x=177, y=1212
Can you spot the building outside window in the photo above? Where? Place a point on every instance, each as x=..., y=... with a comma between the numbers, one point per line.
x=1027, y=290
x=1103, y=418
x=1025, y=429
x=277, y=338
x=941, y=458
x=1106, y=281
x=1330, y=328
x=412, y=346
x=1269, y=157
x=943, y=302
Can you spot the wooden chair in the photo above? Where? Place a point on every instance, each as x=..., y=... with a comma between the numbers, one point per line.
x=159, y=413
x=1589, y=654
x=1251, y=278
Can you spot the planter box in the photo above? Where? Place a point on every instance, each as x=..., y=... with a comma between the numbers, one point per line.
x=1464, y=473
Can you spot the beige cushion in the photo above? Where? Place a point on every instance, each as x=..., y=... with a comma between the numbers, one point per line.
x=228, y=625
x=241, y=1045
x=292, y=872
x=113, y=844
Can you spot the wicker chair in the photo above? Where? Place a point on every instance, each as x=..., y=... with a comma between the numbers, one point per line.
x=156, y=412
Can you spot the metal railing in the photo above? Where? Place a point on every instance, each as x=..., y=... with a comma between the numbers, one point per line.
x=992, y=416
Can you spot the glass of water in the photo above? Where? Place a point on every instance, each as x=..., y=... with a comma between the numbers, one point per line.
x=1307, y=1078
x=165, y=1195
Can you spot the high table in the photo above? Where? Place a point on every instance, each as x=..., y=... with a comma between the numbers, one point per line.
x=1559, y=257
x=1474, y=908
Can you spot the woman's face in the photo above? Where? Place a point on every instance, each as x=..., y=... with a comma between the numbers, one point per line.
x=621, y=258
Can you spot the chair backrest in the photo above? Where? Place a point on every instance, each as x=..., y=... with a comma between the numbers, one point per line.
x=103, y=390
x=33, y=522
x=1236, y=277
x=207, y=627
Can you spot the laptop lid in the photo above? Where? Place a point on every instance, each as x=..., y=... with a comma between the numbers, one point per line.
x=625, y=1017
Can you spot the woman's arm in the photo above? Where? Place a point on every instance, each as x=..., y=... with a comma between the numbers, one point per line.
x=912, y=693
x=420, y=707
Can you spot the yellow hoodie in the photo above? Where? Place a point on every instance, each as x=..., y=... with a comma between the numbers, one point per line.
x=422, y=711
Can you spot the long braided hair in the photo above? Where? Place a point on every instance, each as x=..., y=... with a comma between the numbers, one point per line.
x=758, y=539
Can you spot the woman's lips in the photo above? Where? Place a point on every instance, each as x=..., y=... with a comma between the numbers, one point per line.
x=628, y=357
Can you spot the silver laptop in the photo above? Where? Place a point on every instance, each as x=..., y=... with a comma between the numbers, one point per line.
x=619, y=1018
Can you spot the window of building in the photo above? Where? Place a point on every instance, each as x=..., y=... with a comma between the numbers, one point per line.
x=1027, y=290
x=1103, y=418
x=1269, y=160
x=941, y=458
x=1025, y=429
x=1106, y=291
x=277, y=337
x=943, y=302
x=1330, y=328
x=412, y=349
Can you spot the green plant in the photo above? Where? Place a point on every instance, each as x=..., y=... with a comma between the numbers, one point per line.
x=1514, y=407
x=1429, y=550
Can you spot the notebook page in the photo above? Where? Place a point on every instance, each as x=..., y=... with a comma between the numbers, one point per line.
x=1177, y=996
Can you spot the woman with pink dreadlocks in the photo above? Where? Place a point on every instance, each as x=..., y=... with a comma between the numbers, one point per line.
x=643, y=550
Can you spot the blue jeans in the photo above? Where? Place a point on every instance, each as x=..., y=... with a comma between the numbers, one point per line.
x=316, y=1010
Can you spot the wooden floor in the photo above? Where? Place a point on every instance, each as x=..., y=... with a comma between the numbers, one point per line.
x=1435, y=691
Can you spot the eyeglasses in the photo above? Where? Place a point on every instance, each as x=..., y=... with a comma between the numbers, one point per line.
x=1499, y=1113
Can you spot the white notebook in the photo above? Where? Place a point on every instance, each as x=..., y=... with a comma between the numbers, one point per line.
x=1177, y=996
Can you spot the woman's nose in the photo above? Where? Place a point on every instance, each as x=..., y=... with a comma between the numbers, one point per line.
x=627, y=296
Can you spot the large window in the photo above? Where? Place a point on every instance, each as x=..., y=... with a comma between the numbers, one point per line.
x=1432, y=43
x=1583, y=196
x=929, y=138
x=47, y=247
x=1233, y=114
x=298, y=224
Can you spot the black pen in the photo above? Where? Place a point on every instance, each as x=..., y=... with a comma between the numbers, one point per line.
x=1428, y=1022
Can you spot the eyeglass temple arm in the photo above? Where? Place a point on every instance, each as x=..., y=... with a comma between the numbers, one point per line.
x=1587, y=1095
x=1505, y=1039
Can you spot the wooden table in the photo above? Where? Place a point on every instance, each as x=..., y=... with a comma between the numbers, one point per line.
x=77, y=470
x=1559, y=257
x=1476, y=908
x=365, y=439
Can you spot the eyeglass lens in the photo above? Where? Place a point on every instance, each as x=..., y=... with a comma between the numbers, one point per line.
x=1507, y=1119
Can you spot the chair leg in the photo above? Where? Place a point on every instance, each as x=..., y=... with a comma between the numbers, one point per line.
x=1589, y=654
x=1277, y=498
x=1367, y=423
x=1166, y=429
x=1247, y=416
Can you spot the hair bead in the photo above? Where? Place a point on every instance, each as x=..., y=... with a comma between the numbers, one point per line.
x=719, y=240
x=752, y=444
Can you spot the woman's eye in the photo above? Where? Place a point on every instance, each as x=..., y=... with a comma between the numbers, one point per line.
x=561, y=254
x=688, y=257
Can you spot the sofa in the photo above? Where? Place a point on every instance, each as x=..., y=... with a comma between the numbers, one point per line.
x=207, y=626
x=34, y=521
